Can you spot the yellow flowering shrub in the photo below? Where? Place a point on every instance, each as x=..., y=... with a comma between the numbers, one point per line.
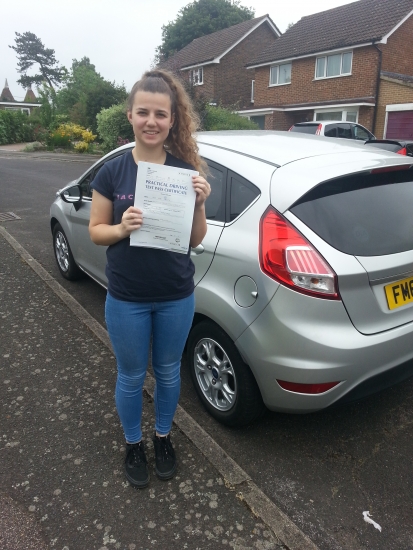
x=81, y=146
x=69, y=134
x=87, y=136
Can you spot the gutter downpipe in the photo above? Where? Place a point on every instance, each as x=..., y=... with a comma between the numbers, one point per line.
x=377, y=87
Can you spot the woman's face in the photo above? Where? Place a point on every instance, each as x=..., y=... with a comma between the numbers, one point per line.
x=151, y=118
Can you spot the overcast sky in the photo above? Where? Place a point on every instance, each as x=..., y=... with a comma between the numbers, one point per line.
x=119, y=37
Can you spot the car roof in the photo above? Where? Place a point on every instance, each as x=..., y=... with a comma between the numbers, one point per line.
x=317, y=122
x=280, y=148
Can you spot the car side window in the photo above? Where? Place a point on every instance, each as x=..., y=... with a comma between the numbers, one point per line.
x=344, y=131
x=409, y=149
x=215, y=204
x=360, y=133
x=242, y=194
x=330, y=130
x=85, y=186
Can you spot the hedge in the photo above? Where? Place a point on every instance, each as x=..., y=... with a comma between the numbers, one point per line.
x=218, y=118
x=15, y=127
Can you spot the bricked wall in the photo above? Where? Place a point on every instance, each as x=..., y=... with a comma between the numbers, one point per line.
x=229, y=82
x=366, y=115
x=390, y=94
x=207, y=89
x=398, y=52
x=305, y=89
x=233, y=80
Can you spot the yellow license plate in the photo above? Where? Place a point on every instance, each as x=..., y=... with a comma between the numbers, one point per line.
x=400, y=293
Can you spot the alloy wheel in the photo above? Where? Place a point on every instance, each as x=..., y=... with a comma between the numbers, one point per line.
x=215, y=374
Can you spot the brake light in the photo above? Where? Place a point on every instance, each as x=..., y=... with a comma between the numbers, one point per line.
x=307, y=388
x=287, y=257
x=391, y=169
x=291, y=127
x=402, y=151
x=318, y=131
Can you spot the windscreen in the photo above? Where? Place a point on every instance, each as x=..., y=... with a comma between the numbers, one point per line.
x=305, y=129
x=362, y=215
x=394, y=147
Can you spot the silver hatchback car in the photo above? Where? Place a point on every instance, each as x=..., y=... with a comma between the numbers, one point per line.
x=304, y=281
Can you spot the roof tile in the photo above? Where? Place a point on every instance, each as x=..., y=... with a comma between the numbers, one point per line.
x=208, y=47
x=345, y=26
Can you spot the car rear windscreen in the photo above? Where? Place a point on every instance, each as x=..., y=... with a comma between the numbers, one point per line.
x=305, y=129
x=394, y=147
x=362, y=215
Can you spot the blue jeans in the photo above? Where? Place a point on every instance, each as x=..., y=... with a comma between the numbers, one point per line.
x=131, y=326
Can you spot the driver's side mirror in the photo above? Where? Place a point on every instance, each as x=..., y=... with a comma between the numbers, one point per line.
x=72, y=195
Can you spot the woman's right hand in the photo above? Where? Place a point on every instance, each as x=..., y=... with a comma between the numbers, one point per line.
x=131, y=220
x=101, y=229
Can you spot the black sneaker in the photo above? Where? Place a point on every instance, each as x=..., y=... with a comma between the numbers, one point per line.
x=136, y=469
x=165, y=461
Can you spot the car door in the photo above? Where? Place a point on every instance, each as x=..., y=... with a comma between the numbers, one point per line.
x=203, y=254
x=90, y=257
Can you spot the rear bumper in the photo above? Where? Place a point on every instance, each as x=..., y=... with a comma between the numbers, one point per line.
x=308, y=340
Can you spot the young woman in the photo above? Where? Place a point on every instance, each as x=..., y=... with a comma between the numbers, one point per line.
x=150, y=291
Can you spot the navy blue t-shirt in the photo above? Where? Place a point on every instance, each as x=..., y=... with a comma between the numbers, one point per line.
x=139, y=274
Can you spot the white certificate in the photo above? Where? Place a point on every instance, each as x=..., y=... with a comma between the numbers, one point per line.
x=167, y=200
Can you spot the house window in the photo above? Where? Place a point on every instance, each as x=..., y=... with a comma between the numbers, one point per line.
x=196, y=76
x=333, y=65
x=252, y=90
x=259, y=120
x=280, y=74
x=336, y=114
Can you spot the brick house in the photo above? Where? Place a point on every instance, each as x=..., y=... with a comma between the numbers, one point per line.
x=8, y=102
x=215, y=64
x=336, y=65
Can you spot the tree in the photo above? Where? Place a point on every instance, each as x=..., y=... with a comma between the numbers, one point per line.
x=85, y=93
x=197, y=19
x=31, y=51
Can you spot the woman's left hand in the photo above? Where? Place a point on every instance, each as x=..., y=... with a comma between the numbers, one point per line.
x=201, y=188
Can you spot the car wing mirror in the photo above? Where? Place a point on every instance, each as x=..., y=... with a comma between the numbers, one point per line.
x=72, y=195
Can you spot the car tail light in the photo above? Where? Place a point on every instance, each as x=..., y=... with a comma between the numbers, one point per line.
x=290, y=128
x=391, y=169
x=318, y=131
x=307, y=388
x=402, y=151
x=287, y=257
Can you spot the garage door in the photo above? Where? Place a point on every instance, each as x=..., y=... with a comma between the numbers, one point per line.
x=400, y=125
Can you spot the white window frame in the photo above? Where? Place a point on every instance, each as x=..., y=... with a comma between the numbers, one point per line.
x=252, y=90
x=343, y=114
x=196, y=76
x=278, y=75
x=325, y=57
x=21, y=109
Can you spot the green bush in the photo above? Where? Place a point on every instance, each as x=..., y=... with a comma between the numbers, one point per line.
x=218, y=118
x=113, y=127
x=15, y=127
x=35, y=146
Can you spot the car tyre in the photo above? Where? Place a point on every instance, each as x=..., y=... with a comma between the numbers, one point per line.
x=64, y=257
x=223, y=382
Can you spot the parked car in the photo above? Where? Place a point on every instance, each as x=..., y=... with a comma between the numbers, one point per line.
x=304, y=281
x=400, y=146
x=332, y=128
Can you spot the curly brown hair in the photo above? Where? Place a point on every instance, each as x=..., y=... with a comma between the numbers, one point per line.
x=180, y=141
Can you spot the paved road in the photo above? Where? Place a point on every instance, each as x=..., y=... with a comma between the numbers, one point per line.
x=323, y=470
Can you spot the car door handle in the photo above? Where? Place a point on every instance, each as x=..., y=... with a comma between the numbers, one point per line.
x=197, y=250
